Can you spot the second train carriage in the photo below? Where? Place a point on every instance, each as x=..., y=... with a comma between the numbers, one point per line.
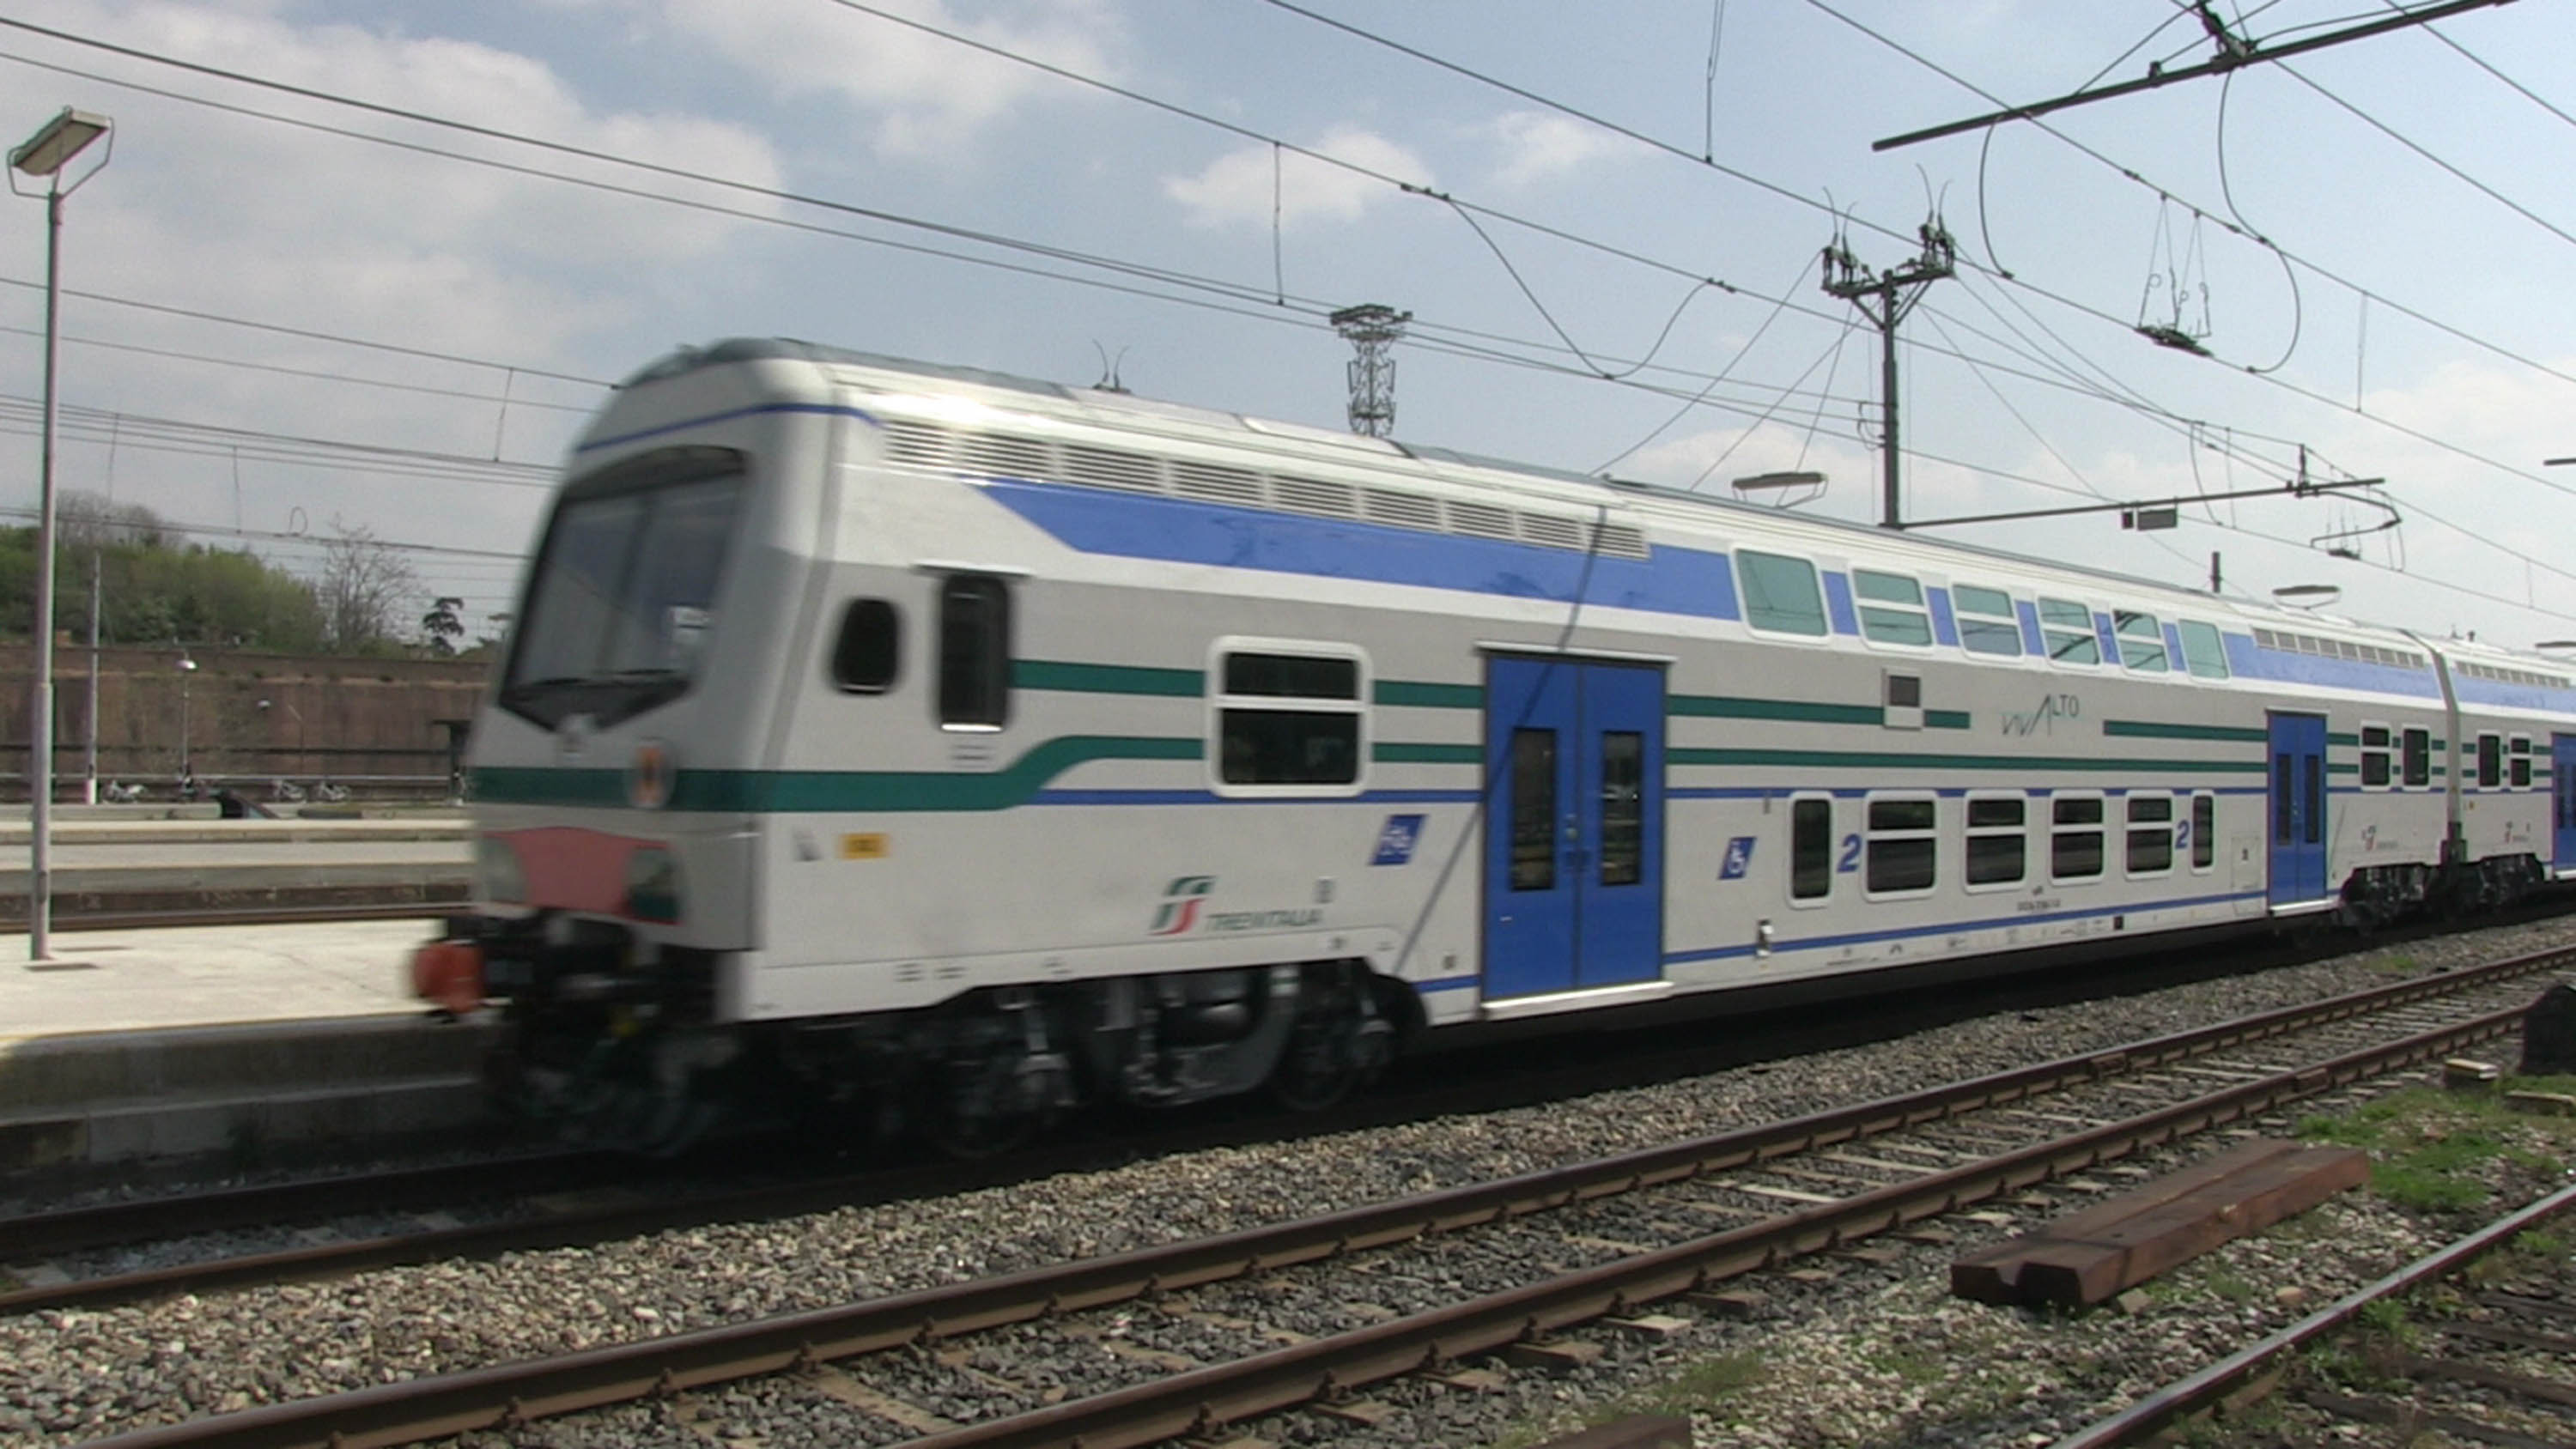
x=932, y=737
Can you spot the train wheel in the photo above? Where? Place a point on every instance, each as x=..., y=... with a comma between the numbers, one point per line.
x=1336, y=1044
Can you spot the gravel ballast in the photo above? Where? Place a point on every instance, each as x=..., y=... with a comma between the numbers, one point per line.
x=1860, y=1341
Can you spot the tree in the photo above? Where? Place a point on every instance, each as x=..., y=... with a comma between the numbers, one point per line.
x=86, y=522
x=443, y=625
x=365, y=589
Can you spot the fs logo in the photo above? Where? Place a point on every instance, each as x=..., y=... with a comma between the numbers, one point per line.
x=1396, y=839
x=1181, y=904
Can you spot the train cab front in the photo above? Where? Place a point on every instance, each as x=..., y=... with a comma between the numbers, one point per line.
x=614, y=841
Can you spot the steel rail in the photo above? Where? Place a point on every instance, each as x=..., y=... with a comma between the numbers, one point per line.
x=2207, y=1387
x=1200, y=1401
x=1619, y=1174
x=33, y=1236
x=512, y=1393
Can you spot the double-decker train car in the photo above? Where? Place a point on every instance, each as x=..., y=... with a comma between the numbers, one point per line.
x=931, y=744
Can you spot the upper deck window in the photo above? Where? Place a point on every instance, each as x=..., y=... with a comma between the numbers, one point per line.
x=1781, y=593
x=2067, y=626
x=623, y=595
x=2204, y=653
x=1986, y=623
x=1891, y=608
x=2142, y=640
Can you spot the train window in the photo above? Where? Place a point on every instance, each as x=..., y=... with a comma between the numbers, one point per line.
x=1781, y=593
x=622, y=600
x=1811, y=848
x=1533, y=810
x=1891, y=609
x=2067, y=628
x=2075, y=837
x=2375, y=772
x=2151, y=834
x=1998, y=847
x=1623, y=807
x=2490, y=761
x=2204, y=653
x=1293, y=719
x=1986, y=622
x=871, y=642
x=2142, y=641
x=974, y=652
x=2204, y=830
x=2415, y=756
x=1901, y=845
x=2521, y=763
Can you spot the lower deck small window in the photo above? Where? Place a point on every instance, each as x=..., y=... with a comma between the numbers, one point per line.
x=2521, y=762
x=2490, y=761
x=2204, y=831
x=865, y=656
x=1902, y=848
x=1291, y=719
x=2075, y=837
x=1811, y=849
x=1997, y=845
x=2375, y=771
x=974, y=652
x=2150, y=834
x=2416, y=756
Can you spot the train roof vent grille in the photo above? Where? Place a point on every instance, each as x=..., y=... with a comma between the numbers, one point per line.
x=1212, y=483
x=2289, y=643
x=1314, y=495
x=1480, y=520
x=1401, y=510
x=1620, y=540
x=923, y=445
x=1111, y=468
x=1006, y=456
x=1549, y=531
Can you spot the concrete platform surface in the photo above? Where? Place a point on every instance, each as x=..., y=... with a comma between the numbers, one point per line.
x=246, y=865
x=244, y=1044
x=122, y=981
x=206, y=830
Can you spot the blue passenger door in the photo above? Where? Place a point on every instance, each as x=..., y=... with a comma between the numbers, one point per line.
x=2562, y=796
x=1574, y=761
x=2298, y=801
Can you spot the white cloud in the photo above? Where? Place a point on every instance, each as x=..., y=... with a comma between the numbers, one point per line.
x=1245, y=185
x=929, y=96
x=1538, y=146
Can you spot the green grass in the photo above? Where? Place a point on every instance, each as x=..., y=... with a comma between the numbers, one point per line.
x=2432, y=1151
x=1912, y=1368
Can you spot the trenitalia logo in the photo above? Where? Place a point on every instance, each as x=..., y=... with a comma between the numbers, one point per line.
x=1181, y=904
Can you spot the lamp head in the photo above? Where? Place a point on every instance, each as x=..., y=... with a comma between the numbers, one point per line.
x=58, y=141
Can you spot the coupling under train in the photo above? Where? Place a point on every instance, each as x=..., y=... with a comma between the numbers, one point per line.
x=927, y=745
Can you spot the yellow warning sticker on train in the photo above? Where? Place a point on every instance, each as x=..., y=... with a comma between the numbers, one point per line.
x=863, y=847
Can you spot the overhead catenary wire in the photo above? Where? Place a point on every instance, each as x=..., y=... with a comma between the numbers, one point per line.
x=1547, y=230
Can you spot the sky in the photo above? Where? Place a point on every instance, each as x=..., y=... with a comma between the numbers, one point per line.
x=289, y=315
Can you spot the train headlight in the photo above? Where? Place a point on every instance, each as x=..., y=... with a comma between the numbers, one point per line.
x=653, y=885
x=497, y=876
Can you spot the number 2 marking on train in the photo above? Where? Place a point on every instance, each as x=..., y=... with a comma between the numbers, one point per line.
x=1851, y=856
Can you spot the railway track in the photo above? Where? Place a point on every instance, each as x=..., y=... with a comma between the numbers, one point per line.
x=576, y=1199
x=2453, y=1359
x=189, y=909
x=1449, y=1276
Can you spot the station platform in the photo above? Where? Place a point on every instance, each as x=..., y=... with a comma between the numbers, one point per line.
x=124, y=868
x=245, y=1043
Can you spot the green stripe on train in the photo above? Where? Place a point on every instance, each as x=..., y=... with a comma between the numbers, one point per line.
x=836, y=790
x=2148, y=729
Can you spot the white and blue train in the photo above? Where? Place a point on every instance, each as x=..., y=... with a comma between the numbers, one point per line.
x=948, y=745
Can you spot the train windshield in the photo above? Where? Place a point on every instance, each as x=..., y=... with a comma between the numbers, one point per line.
x=624, y=593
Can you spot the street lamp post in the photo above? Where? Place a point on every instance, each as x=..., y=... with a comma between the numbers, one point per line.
x=44, y=155
x=187, y=669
